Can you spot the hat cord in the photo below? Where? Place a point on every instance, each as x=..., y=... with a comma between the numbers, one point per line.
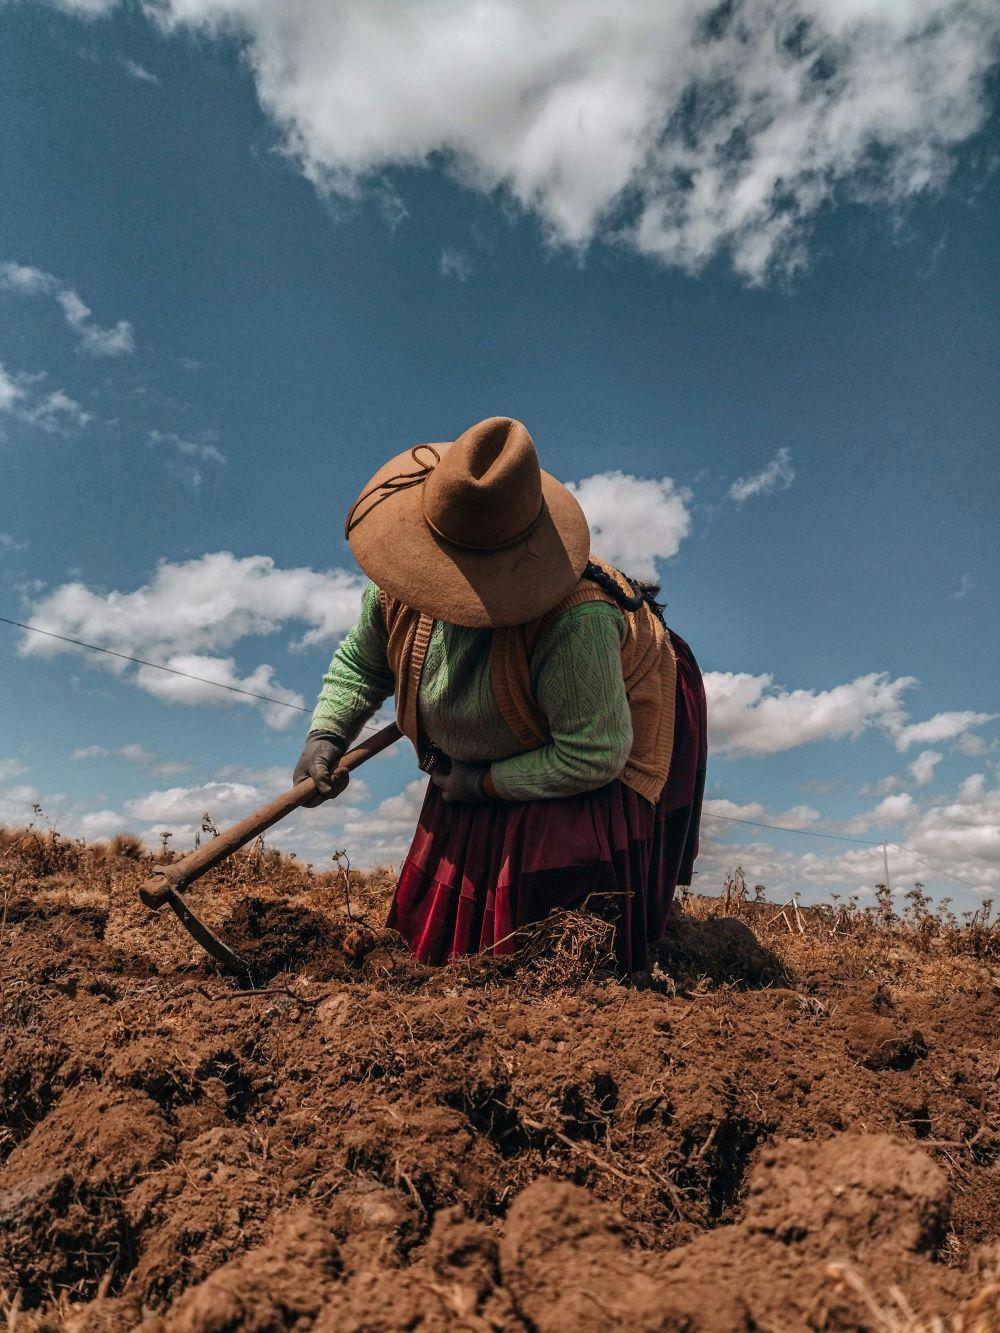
x=490, y=548
x=401, y=481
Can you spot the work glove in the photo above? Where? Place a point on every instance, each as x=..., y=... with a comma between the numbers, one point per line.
x=322, y=753
x=462, y=782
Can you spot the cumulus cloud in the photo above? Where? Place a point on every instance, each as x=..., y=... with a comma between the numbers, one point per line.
x=778, y=474
x=382, y=835
x=209, y=602
x=179, y=810
x=202, y=676
x=97, y=824
x=189, y=612
x=634, y=521
x=798, y=816
x=10, y=768
x=16, y=804
x=922, y=768
x=224, y=801
x=895, y=809
x=118, y=340
x=751, y=715
x=951, y=726
x=681, y=131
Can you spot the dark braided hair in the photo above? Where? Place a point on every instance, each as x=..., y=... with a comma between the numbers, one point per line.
x=641, y=591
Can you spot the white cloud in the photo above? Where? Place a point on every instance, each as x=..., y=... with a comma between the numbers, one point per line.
x=97, y=824
x=963, y=835
x=455, y=264
x=224, y=801
x=971, y=745
x=10, y=390
x=922, y=768
x=940, y=727
x=634, y=521
x=778, y=474
x=139, y=72
x=191, y=610
x=10, y=543
x=54, y=412
x=27, y=281
x=10, y=768
x=751, y=715
x=381, y=836
x=180, y=810
x=216, y=671
x=952, y=846
x=134, y=754
x=891, y=782
x=205, y=449
x=965, y=586
x=682, y=131
x=895, y=809
x=798, y=816
x=209, y=602
x=16, y=804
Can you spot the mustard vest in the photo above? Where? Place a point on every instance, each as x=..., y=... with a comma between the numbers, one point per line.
x=649, y=668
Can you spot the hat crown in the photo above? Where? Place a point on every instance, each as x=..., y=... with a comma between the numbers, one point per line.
x=486, y=492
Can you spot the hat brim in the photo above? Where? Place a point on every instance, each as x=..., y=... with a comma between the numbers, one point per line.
x=401, y=554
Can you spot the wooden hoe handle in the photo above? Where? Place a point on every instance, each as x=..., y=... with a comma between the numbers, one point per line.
x=178, y=876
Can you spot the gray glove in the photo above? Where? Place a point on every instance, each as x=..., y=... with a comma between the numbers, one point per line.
x=462, y=782
x=322, y=753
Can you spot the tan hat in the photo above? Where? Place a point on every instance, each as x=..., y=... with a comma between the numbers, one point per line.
x=473, y=531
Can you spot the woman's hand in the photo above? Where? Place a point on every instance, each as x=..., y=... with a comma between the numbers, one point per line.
x=462, y=782
x=322, y=753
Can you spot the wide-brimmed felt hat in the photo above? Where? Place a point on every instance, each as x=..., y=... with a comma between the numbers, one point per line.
x=471, y=531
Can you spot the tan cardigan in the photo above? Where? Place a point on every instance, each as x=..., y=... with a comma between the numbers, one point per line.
x=649, y=668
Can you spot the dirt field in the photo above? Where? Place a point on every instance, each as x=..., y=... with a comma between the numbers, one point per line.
x=779, y=1131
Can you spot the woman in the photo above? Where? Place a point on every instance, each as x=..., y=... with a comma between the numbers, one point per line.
x=562, y=723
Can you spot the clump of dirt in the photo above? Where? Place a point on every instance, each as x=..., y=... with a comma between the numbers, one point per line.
x=755, y=1137
x=275, y=937
x=720, y=950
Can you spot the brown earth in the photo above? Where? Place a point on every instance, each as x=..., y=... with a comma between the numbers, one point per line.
x=775, y=1131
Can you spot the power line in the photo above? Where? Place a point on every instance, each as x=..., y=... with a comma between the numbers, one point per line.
x=904, y=851
x=174, y=671
x=300, y=708
x=842, y=837
x=809, y=833
x=157, y=666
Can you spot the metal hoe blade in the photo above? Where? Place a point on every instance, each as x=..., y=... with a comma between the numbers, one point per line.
x=226, y=958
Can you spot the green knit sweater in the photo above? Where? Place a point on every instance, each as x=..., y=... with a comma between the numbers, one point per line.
x=576, y=678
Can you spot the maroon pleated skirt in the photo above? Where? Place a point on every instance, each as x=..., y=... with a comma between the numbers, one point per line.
x=474, y=874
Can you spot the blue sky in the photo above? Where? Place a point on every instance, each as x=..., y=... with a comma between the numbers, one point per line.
x=235, y=276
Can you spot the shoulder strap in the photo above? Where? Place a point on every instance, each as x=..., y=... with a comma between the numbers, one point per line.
x=409, y=633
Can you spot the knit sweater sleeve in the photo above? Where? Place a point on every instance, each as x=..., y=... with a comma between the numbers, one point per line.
x=359, y=678
x=577, y=681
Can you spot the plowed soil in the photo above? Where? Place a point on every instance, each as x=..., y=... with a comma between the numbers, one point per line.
x=744, y=1141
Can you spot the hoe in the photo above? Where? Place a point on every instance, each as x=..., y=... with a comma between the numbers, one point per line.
x=170, y=881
